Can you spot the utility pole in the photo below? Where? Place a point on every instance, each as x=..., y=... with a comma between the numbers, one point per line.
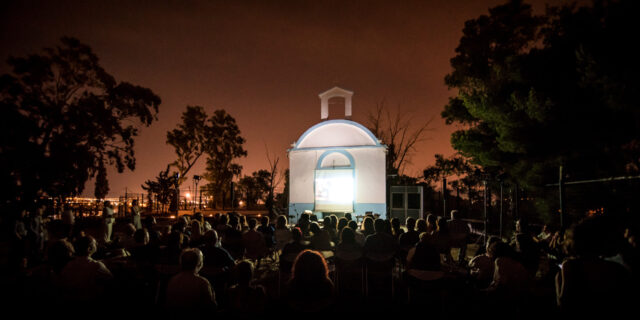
x=561, y=194
x=484, y=182
x=176, y=178
x=196, y=179
x=501, y=201
x=444, y=197
x=233, y=196
x=516, y=196
x=124, y=213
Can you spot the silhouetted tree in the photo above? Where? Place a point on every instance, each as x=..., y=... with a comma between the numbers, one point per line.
x=395, y=132
x=255, y=188
x=282, y=199
x=226, y=143
x=102, y=184
x=163, y=187
x=64, y=119
x=273, y=181
x=445, y=167
x=190, y=140
x=536, y=92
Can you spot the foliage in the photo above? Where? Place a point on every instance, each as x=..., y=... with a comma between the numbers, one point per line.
x=64, y=119
x=226, y=146
x=163, y=187
x=255, y=188
x=102, y=184
x=536, y=92
x=282, y=199
x=218, y=137
x=273, y=181
x=445, y=167
x=190, y=140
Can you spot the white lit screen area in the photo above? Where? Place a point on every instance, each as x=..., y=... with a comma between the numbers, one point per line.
x=334, y=190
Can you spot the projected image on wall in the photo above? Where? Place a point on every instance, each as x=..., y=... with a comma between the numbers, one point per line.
x=334, y=190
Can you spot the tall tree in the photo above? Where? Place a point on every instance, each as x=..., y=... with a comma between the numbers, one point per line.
x=189, y=140
x=227, y=146
x=64, y=119
x=394, y=130
x=163, y=187
x=274, y=180
x=537, y=92
x=282, y=199
x=102, y=184
x=255, y=188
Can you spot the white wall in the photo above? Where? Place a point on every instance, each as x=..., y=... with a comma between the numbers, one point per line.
x=370, y=174
x=302, y=165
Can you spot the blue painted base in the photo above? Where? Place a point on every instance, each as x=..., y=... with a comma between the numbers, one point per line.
x=296, y=209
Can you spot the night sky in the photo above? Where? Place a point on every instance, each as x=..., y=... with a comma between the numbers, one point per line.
x=265, y=62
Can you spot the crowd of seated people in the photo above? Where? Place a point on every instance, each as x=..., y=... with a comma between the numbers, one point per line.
x=212, y=264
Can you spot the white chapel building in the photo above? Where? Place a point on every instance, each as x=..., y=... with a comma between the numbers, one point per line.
x=337, y=166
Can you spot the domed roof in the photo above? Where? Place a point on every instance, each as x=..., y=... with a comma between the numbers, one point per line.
x=336, y=133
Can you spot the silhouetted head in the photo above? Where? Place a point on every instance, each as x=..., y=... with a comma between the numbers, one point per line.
x=252, y=224
x=304, y=226
x=243, y=272
x=234, y=221
x=367, y=225
x=442, y=225
x=348, y=236
x=129, y=229
x=387, y=227
x=432, y=221
x=175, y=239
x=491, y=241
x=348, y=216
x=264, y=221
x=191, y=260
x=86, y=246
x=500, y=249
x=149, y=222
x=60, y=252
x=522, y=226
x=425, y=236
x=334, y=221
x=141, y=236
x=342, y=222
x=411, y=224
x=211, y=238
x=315, y=228
x=281, y=222
x=395, y=224
x=310, y=266
x=421, y=226
x=455, y=214
x=224, y=219
x=353, y=225
x=296, y=234
x=243, y=221
x=597, y=236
